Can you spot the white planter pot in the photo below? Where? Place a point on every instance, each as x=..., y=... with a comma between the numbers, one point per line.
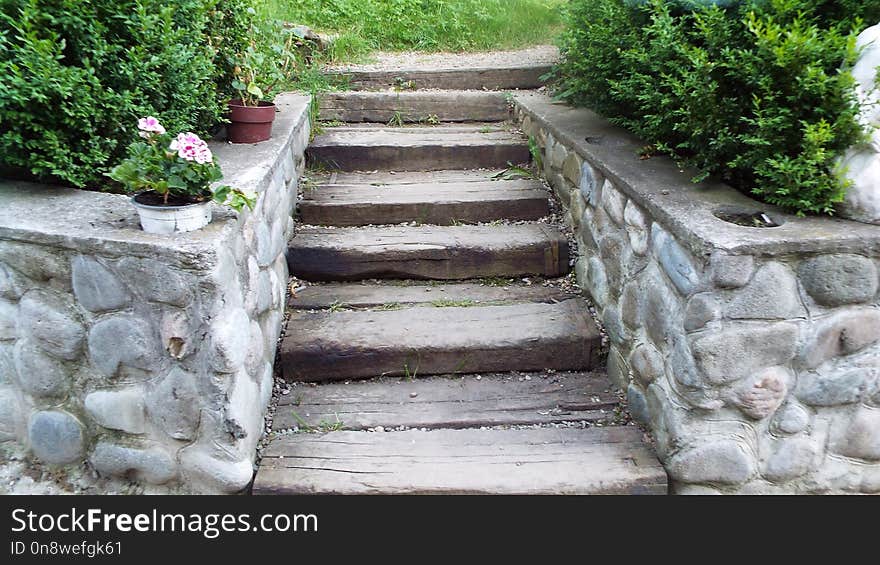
x=173, y=219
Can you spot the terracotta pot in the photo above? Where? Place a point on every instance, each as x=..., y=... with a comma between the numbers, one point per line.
x=250, y=124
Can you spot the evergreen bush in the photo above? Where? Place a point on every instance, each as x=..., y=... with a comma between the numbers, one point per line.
x=753, y=91
x=77, y=75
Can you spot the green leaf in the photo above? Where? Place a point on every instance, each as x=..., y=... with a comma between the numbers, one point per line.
x=252, y=88
x=176, y=182
x=221, y=193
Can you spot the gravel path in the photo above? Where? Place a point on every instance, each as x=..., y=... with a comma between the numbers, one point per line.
x=390, y=61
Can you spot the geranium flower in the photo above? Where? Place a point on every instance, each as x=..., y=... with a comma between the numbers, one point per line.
x=191, y=147
x=204, y=156
x=149, y=126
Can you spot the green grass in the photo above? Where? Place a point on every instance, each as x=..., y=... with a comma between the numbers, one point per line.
x=422, y=25
x=323, y=425
x=450, y=303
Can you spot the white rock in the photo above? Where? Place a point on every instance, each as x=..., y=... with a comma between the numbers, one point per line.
x=865, y=72
x=121, y=409
x=230, y=337
x=861, y=164
x=209, y=470
x=244, y=413
x=10, y=408
x=862, y=200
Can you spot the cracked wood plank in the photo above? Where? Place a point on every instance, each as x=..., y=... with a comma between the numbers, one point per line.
x=438, y=204
x=530, y=461
x=478, y=78
x=464, y=402
x=428, y=252
x=371, y=295
x=321, y=346
x=383, y=106
x=417, y=149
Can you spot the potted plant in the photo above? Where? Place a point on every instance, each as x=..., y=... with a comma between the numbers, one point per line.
x=173, y=178
x=265, y=64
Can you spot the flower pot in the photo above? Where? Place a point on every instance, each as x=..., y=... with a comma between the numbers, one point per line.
x=250, y=124
x=171, y=218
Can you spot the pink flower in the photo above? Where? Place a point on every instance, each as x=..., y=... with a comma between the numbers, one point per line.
x=149, y=126
x=204, y=156
x=191, y=147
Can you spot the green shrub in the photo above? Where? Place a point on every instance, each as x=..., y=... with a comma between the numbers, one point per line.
x=227, y=31
x=266, y=62
x=752, y=91
x=77, y=75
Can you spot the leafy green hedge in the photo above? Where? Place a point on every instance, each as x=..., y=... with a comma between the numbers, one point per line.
x=77, y=75
x=750, y=91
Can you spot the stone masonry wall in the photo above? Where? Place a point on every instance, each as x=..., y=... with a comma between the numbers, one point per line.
x=753, y=354
x=149, y=357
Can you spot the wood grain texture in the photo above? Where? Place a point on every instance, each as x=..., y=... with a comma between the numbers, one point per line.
x=428, y=252
x=452, y=403
x=414, y=106
x=379, y=178
x=416, y=149
x=438, y=204
x=523, y=78
x=532, y=461
x=370, y=295
x=322, y=346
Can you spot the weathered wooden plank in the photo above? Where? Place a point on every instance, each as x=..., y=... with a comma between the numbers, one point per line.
x=438, y=204
x=428, y=252
x=530, y=461
x=424, y=192
x=416, y=106
x=416, y=131
x=525, y=77
x=416, y=149
x=464, y=402
x=360, y=295
x=381, y=178
x=321, y=346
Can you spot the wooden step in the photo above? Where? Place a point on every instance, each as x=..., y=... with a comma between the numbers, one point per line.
x=439, y=204
x=372, y=295
x=428, y=252
x=417, y=149
x=415, y=107
x=325, y=346
x=610, y=460
x=439, y=402
x=393, y=178
x=478, y=78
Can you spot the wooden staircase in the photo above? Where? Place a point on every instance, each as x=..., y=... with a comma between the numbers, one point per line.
x=424, y=259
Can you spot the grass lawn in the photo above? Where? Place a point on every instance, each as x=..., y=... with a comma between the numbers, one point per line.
x=423, y=25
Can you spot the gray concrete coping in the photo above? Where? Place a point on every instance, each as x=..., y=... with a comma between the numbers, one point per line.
x=684, y=208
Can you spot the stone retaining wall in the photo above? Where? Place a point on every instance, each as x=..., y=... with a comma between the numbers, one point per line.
x=752, y=353
x=150, y=357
